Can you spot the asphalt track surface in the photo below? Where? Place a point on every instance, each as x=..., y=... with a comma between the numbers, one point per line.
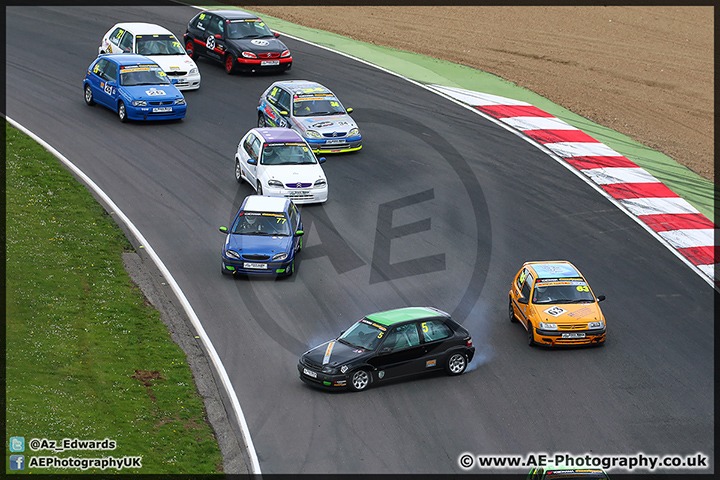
x=440, y=207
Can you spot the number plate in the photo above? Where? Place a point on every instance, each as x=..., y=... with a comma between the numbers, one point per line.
x=573, y=335
x=298, y=193
x=256, y=266
x=268, y=63
x=309, y=373
x=162, y=109
x=333, y=142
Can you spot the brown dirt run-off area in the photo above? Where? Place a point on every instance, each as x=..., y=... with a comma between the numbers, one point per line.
x=644, y=71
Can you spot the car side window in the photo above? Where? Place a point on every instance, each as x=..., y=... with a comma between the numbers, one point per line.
x=294, y=218
x=434, y=330
x=403, y=336
x=101, y=68
x=255, y=147
x=283, y=100
x=127, y=42
x=521, y=278
x=111, y=72
x=116, y=35
x=213, y=25
x=247, y=145
x=525, y=292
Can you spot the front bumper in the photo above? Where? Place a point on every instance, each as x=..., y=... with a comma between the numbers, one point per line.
x=232, y=267
x=258, y=64
x=321, y=145
x=299, y=195
x=320, y=379
x=571, y=337
x=187, y=82
x=150, y=112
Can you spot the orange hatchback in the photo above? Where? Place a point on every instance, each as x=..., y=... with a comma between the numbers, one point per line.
x=555, y=304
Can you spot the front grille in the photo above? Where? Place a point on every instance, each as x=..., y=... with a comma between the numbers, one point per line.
x=269, y=55
x=577, y=327
x=334, y=134
x=256, y=257
x=175, y=73
x=162, y=103
x=298, y=185
x=311, y=364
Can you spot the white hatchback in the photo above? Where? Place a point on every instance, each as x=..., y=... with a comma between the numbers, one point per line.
x=278, y=162
x=157, y=43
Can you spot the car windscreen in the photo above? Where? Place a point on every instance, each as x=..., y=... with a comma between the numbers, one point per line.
x=289, y=153
x=159, y=45
x=142, y=75
x=568, y=291
x=250, y=28
x=316, y=106
x=261, y=223
x=364, y=334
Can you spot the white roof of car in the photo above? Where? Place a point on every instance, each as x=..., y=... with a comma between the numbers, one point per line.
x=300, y=85
x=140, y=28
x=262, y=203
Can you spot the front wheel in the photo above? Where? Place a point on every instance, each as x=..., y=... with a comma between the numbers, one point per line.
x=259, y=189
x=238, y=171
x=456, y=364
x=89, y=96
x=122, y=112
x=230, y=60
x=359, y=380
x=511, y=313
x=262, y=123
x=530, y=335
x=190, y=49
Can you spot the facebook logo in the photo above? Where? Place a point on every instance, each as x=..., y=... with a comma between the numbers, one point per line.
x=17, y=462
x=17, y=444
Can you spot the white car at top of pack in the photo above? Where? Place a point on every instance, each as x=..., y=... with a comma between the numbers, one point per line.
x=158, y=44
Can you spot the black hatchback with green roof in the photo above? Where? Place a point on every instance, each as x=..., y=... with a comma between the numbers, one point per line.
x=387, y=345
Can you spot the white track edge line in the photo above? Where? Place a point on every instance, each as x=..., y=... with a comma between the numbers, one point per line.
x=214, y=357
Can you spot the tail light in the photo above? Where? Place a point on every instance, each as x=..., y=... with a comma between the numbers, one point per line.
x=469, y=342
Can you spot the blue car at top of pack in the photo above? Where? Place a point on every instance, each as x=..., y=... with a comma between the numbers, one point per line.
x=134, y=87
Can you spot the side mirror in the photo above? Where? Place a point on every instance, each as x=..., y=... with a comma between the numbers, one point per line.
x=284, y=112
x=385, y=350
x=218, y=35
x=349, y=110
x=322, y=160
x=300, y=233
x=600, y=298
x=522, y=299
x=111, y=83
x=173, y=81
x=224, y=229
x=276, y=34
x=251, y=161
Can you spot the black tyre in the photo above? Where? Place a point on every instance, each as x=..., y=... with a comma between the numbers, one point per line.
x=190, y=49
x=359, y=380
x=261, y=121
x=238, y=171
x=89, y=96
x=530, y=336
x=456, y=364
x=230, y=61
x=259, y=188
x=511, y=313
x=291, y=268
x=122, y=113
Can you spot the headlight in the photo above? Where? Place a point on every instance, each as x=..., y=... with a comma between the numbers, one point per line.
x=547, y=326
x=284, y=54
x=320, y=183
x=139, y=103
x=179, y=101
x=232, y=254
x=312, y=134
x=275, y=183
x=193, y=71
x=330, y=370
x=279, y=257
x=354, y=132
x=595, y=325
x=249, y=55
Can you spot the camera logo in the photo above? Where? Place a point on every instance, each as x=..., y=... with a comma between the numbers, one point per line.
x=17, y=462
x=17, y=444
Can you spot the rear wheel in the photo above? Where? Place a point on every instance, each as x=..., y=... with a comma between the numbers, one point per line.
x=230, y=61
x=511, y=312
x=456, y=364
x=89, y=96
x=261, y=120
x=122, y=112
x=359, y=380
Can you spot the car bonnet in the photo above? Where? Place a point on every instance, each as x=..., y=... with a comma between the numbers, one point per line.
x=292, y=174
x=152, y=92
x=170, y=63
x=259, y=45
x=258, y=244
x=341, y=124
x=335, y=353
x=568, y=313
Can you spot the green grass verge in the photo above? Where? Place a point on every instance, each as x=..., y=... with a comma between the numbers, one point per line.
x=77, y=329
